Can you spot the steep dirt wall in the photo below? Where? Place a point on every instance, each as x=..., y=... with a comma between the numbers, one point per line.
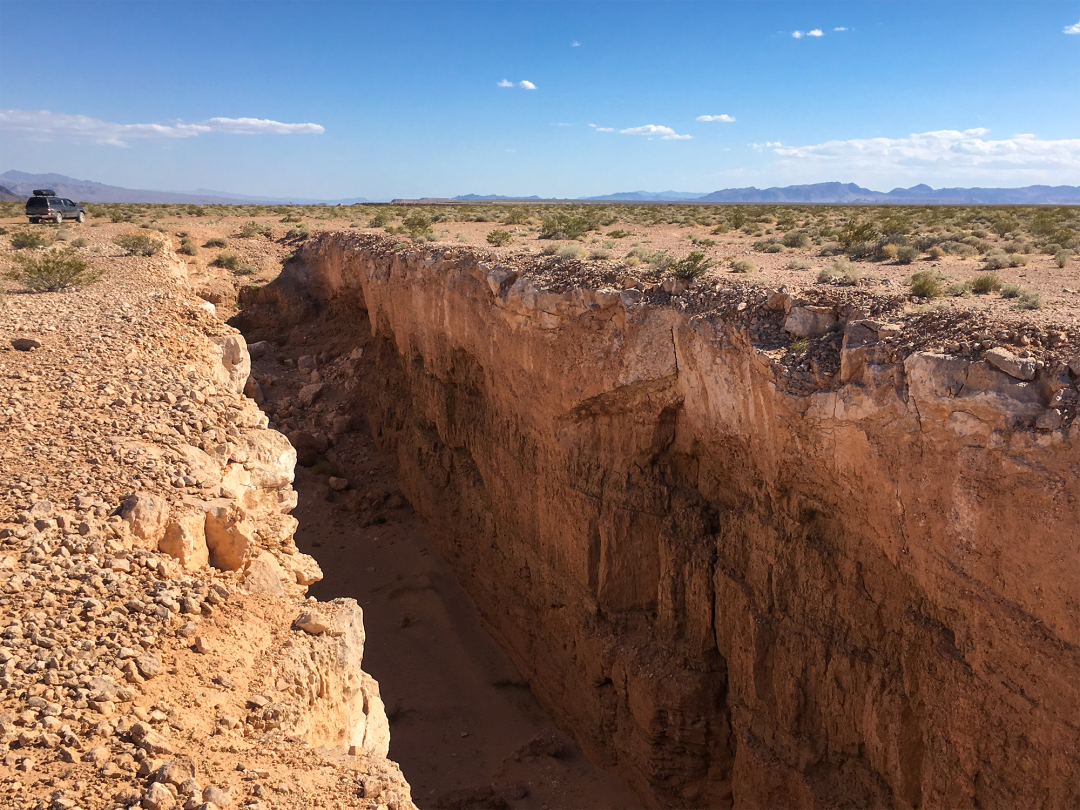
x=732, y=593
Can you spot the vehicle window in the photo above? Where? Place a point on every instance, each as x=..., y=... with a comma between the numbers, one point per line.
x=36, y=202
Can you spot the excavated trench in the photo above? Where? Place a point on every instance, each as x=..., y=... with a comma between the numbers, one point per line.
x=465, y=727
x=729, y=589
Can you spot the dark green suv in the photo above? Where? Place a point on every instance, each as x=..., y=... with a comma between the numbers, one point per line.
x=46, y=205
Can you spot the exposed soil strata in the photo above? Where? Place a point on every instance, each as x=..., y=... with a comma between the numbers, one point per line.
x=737, y=579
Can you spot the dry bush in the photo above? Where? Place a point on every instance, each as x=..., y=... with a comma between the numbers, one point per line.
x=54, y=270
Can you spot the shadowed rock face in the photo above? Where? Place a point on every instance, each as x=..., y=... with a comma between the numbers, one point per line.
x=730, y=593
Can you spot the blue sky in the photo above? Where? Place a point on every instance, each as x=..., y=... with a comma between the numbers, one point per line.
x=401, y=99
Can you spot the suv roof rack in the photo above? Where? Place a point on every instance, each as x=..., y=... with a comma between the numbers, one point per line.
x=44, y=192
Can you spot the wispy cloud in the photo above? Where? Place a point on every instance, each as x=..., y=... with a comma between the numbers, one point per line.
x=1071, y=29
x=602, y=129
x=575, y=44
x=47, y=125
x=665, y=133
x=815, y=33
x=561, y=124
x=504, y=83
x=727, y=119
x=939, y=151
x=766, y=145
x=527, y=85
x=841, y=28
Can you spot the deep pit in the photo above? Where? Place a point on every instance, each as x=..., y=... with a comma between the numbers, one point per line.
x=730, y=586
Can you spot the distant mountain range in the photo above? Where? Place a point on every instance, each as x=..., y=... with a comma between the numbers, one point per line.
x=21, y=184
x=18, y=185
x=846, y=193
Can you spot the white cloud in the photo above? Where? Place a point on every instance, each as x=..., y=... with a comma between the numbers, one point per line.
x=962, y=153
x=665, y=133
x=602, y=129
x=575, y=44
x=766, y=145
x=563, y=125
x=727, y=119
x=841, y=28
x=46, y=125
x=815, y=33
x=797, y=34
x=504, y=83
x=1071, y=29
x=527, y=85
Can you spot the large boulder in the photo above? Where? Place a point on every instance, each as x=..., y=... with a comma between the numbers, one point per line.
x=146, y=514
x=185, y=539
x=264, y=575
x=268, y=456
x=235, y=362
x=810, y=321
x=230, y=535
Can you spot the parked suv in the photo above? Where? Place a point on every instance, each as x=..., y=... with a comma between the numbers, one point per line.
x=46, y=205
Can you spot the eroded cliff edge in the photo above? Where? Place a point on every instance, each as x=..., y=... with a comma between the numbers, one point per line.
x=156, y=648
x=736, y=578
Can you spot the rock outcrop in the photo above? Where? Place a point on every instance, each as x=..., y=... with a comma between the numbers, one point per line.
x=739, y=575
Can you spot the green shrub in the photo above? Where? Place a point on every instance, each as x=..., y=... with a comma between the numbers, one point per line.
x=80, y=242
x=888, y=252
x=54, y=270
x=569, y=252
x=1011, y=290
x=499, y=238
x=187, y=247
x=1030, y=300
x=380, y=220
x=252, y=229
x=907, y=254
x=546, y=250
x=796, y=239
x=691, y=267
x=986, y=283
x=138, y=244
x=227, y=261
x=1061, y=258
x=596, y=254
x=417, y=224
x=926, y=284
x=744, y=266
x=29, y=239
x=297, y=232
x=565, y=225
x=245, y=269
x=959, y=290
x=936, y=252
x=62, y=234
x=618, y=234
x=216, y=242
x=841, y=271
x=798, y=264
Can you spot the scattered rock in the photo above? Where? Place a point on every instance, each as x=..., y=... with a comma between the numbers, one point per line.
x=312, y=622
x=25, y=344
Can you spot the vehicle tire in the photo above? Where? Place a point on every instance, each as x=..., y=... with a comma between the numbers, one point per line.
x=35, y=220
x=58, y=218
x=81, y=217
